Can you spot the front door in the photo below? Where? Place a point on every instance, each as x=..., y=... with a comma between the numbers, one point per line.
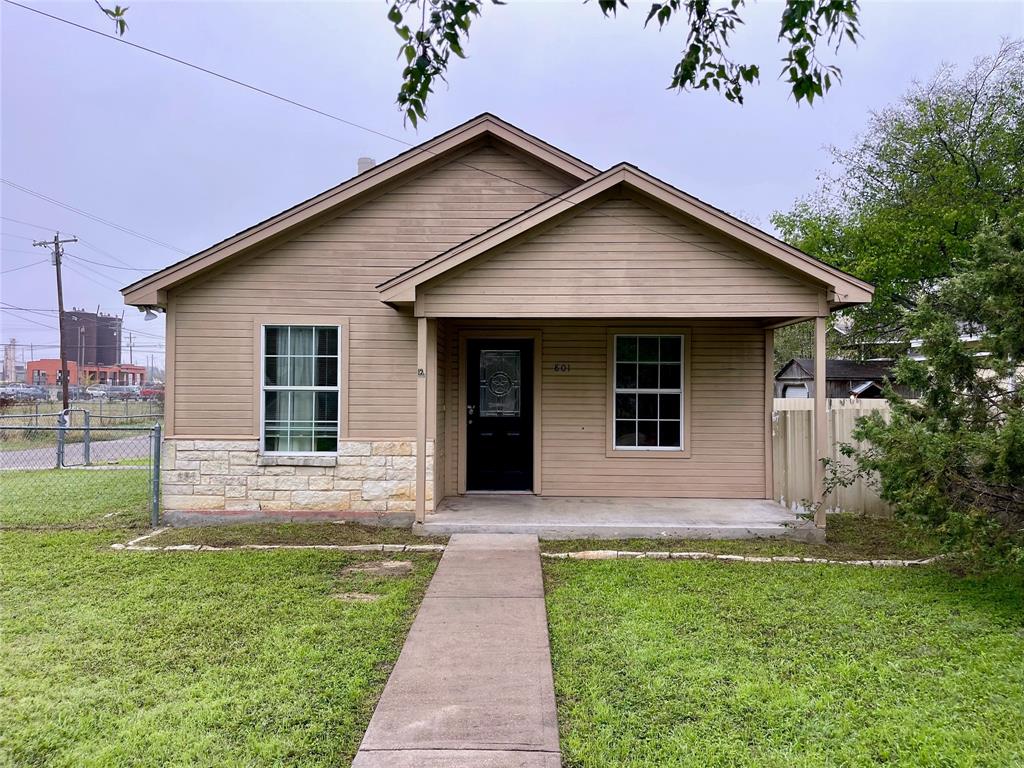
x=499, y=418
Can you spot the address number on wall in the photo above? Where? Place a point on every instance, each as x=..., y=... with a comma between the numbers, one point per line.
x=561, y=367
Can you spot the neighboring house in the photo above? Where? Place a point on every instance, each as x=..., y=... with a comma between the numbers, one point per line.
x=843, y=379
x=483, y=312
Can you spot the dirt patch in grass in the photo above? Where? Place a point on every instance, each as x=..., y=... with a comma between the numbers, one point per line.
x=384, y=568
x=356, y=597
x=290, y=533
x=848, y=537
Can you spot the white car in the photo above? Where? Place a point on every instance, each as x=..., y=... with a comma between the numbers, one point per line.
x=97, y=392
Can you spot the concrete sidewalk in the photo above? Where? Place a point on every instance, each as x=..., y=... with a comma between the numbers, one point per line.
x=472, y=686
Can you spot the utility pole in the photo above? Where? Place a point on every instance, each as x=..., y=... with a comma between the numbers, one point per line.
x=55, y=256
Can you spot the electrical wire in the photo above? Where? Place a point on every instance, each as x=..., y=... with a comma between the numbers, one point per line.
x=101, y=264
x=24, y=266
x=91, y=216
x=353, y=124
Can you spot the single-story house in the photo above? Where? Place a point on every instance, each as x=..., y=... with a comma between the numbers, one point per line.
x=483, y=313
x=843, y=379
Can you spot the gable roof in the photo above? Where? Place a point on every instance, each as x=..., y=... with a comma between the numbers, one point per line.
x=843, y=370
x=150, y=290
x=844, y=289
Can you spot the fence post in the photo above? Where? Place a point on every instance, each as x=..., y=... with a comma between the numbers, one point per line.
x=62, y=420
x=154, y=516
x=86, y=438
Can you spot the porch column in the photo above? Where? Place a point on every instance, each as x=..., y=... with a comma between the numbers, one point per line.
x=426, y=362
x=820, y=422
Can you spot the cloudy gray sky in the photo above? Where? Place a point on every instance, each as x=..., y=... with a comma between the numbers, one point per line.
x=186, y=159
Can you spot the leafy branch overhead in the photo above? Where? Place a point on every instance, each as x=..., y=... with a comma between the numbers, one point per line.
x=433, y=30
x=116, y=15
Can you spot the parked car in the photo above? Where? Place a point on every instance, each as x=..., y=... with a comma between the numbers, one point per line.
x=22, y=393
x=97, y=392
x=152, y=392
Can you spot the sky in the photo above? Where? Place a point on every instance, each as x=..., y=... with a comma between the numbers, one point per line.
x=183, y=159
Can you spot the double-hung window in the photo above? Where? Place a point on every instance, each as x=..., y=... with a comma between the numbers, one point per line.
x=648, y=392
x=300, y=388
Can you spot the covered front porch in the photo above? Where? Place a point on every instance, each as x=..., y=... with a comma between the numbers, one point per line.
x=595, y=517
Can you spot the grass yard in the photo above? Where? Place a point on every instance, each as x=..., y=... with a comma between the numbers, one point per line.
x=674, y=663
x=74, y=498
x=848, y=537
x=173, y=659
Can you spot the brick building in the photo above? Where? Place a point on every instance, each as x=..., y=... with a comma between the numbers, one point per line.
x=46, y=373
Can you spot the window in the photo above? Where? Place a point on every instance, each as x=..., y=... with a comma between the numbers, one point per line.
x=300, y=388
x=648, y=392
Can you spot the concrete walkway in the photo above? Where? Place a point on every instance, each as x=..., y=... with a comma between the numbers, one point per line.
x=472, y=686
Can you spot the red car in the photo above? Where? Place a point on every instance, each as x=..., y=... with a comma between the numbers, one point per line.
x=153, y=392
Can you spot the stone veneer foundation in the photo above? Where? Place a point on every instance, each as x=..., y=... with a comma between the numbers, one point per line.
x=367, y=480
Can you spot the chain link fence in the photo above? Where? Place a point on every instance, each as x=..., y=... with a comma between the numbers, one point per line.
x=76, y=468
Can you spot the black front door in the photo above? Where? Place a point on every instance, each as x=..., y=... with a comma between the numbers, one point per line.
x=499, y=418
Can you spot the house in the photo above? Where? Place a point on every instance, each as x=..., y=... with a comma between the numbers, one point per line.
x=482, y=313
x=843, y=379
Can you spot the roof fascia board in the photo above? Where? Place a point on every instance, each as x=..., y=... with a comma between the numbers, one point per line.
x=432, y=151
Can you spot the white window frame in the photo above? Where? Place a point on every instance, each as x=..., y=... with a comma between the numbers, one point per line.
x=263, y=388
x=663, y=450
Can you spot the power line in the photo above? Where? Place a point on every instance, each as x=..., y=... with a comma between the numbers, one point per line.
x=28, y=319
x=28, y=224
x=92, y=278
x=88, y=215
x=111, y=266
x=15, y=234
x=308, y=108
x=23, y=266
x=210, y=72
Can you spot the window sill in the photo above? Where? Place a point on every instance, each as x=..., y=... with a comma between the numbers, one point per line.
x=297, y=460
x=613, y=453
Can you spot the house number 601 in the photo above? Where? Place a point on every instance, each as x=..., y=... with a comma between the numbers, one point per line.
x=562, y=367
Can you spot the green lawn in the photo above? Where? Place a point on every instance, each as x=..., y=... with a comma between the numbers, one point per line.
x=168, y=659
x=74, y=498
x=848, y=537
x=677, y=663
x=171, y=659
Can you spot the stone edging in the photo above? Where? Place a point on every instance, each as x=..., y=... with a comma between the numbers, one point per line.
x=408, y=548
x=611, y=554
x=136, y=545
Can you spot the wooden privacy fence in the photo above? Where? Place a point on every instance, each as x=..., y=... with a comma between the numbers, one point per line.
x=793, y=446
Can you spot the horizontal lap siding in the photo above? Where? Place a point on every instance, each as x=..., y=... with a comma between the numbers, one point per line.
x=726, y=410
x=332, y=271
x=620, y=259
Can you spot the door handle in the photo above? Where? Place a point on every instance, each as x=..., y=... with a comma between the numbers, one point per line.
x=470, y=409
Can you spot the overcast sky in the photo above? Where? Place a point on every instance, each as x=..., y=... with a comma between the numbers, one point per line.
x=187, y=160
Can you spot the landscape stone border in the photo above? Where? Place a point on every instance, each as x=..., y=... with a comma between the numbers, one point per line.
x=136, y=545
x=611, y=554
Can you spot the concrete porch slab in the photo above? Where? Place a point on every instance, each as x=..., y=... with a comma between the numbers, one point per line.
x=585, y=517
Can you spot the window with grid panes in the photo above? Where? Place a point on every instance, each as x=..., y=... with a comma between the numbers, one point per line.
x=648, y=392
x=300, y=388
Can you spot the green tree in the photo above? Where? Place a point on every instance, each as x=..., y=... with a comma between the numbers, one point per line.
x=433, y=30
x=912, y=193
x=954, y=459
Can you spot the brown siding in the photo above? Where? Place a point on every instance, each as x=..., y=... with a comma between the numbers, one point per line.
x=726, y=411
x=331, y=270
x=620, y=258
